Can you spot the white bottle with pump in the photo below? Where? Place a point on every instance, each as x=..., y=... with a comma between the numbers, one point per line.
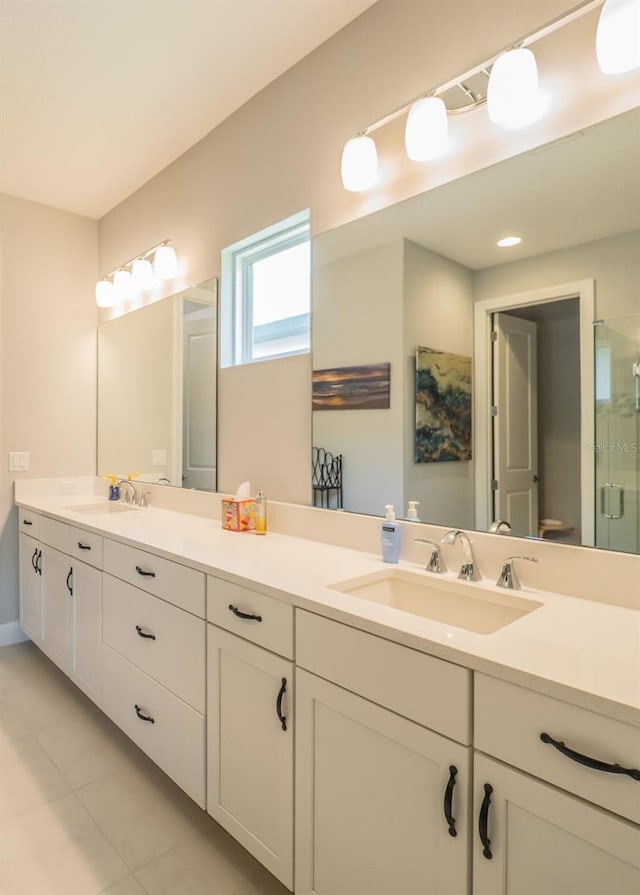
x=390, y=536
x=412, y=511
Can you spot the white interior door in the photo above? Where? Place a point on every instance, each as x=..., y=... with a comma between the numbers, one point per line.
x=199, y=398
x=515, y=423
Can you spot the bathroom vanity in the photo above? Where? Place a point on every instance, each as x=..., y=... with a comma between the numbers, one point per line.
x=349, y=745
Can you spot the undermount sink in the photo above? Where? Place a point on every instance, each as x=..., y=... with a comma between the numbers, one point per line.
x=106, y=506
x=459, y=604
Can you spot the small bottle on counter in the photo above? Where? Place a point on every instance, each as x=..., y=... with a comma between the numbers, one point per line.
x=261, y=513
x=412, y=510
x=390, y=536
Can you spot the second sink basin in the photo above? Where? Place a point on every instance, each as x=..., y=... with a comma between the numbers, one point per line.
x=459, y=604
x=106, y=506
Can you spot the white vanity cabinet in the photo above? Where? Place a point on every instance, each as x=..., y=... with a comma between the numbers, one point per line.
x=532, y=838
x=30, y=575
x=153, y=660
x=250, y=693
x=382, y=802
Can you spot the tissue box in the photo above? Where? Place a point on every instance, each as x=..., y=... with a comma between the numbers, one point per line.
x=238, y=515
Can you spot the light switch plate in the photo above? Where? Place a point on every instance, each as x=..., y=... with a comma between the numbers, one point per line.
x=18, y=461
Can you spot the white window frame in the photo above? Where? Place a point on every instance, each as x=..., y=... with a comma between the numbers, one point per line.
x=237, y=335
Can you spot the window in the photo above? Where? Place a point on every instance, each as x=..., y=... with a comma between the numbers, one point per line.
x=266, y=294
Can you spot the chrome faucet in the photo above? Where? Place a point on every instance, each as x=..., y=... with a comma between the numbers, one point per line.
x=500, y=526
x=467, y=569
x=435, y=563
x=508, y=577
x=132, y=498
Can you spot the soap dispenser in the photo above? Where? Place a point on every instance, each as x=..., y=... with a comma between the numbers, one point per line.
x=412, y=511
x=390, y=536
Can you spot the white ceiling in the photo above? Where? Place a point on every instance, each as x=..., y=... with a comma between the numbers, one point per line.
x=98, y=96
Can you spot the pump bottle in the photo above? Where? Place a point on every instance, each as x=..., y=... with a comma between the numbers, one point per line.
x=390, y=536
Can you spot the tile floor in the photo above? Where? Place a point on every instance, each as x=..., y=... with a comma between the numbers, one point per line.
x=83, y=811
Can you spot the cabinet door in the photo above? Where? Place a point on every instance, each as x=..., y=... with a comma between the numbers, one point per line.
x=545, y=841
x=30, y=588
x=250, y=749
x=86, y=628
x=371, y=791
x=56, y=605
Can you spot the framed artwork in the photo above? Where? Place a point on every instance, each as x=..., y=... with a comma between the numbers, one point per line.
x=352, y=388
x=443, y=406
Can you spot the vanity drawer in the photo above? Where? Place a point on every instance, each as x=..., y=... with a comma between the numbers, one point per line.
x=178, y=584
x=29, y=522
x=86, y=545
x=509, y=720
x=435, y=693
x=273, y=630
x=175, y=739
x=54, y=534
x=164, y=641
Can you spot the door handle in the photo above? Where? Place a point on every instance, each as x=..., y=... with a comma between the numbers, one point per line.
x=483, y=822
x=34, y=560
x=603, y=500
x=281, y=718
x=448, y=800
x=69, y=585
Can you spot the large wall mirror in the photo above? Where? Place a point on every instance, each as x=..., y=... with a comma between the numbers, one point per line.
x=542, y=338
x=157, y=369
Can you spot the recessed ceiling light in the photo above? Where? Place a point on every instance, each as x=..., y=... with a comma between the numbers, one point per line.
x=507, y=241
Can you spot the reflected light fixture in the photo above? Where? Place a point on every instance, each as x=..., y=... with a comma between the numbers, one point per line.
x=426, y=134
x=514, y=99
x=618, y=37
x=508, y=241
x=359, y=166
x=137, y=275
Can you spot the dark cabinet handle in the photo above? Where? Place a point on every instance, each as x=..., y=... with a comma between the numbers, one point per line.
x=142, y=717
x=142, y=633
x=34, y=560
x=281, y=717
x=83, y=546
x=448, y=800
x=69, y=586
x=588, y=762
x=144, y=573
x=483, y=822
x=240, y=614
x=39, y=563
x=27, y=522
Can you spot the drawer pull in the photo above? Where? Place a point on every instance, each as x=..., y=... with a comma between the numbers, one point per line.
x=588, y=762
x=281, y=717
x=144, y=717
x=483, y=822
x=34, y=560
x=27, y=522
x=82, y=546
x=248, y=615
x=144, y=634
x=69, y=585
x=144, y=573
x=448, y=800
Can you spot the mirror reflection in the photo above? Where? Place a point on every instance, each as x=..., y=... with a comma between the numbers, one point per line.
x=554, y=399
x=157, y=370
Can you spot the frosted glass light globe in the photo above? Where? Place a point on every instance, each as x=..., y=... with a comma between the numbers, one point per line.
x=105, y=294
x=513, y=97
x=359, y=165
x=618, y=37
x=123, y=285
x=142, y=273
x=426, y=132
x=165, y=262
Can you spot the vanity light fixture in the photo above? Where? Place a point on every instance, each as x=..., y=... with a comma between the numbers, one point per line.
x=137, y=275
x=508, y=241
x=618, y=37
x=512, y=94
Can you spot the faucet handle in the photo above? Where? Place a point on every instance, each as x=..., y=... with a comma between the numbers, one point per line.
x=435, y=563
x=508, y=577
x=144, y=498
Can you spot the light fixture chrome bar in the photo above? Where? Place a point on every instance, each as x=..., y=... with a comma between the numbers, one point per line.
x=554, y=25
x=136, y=258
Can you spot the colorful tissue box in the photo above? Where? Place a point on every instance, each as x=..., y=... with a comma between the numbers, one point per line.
x=238, y=515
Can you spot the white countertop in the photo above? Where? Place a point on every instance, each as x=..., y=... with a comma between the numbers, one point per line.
x=580, y=651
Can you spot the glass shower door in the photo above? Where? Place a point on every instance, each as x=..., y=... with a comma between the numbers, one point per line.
x=617, y=434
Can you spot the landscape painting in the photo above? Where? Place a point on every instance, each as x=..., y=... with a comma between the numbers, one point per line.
x=443, y=406
x=352, y=388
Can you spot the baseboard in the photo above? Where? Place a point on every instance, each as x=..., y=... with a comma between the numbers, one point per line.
x=10, y=633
